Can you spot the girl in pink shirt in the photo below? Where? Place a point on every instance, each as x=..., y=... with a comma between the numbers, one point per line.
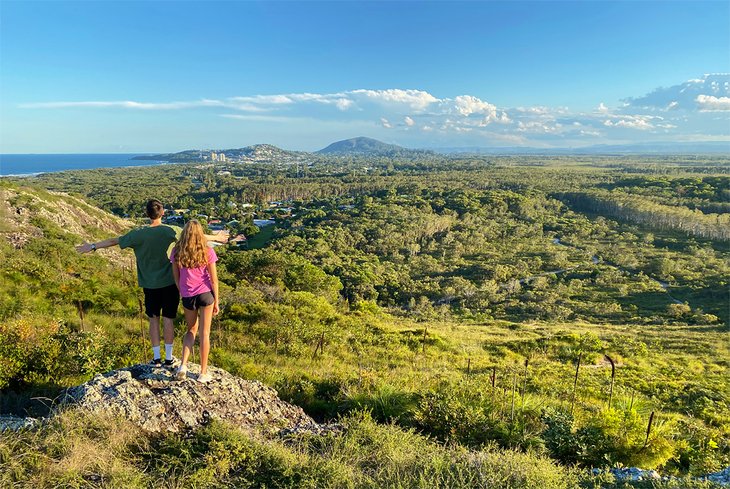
x=193, y=266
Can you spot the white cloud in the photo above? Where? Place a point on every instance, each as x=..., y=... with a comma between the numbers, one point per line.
x=635, y=122
x=685, y=95
x=343, y=103
x=686, y=110
x=417, y=100
x=709, y=103
x=124, y=104
x=467, y=105
x=539, y=127
x=537, y=110
x=265, y=99
x=261, y=118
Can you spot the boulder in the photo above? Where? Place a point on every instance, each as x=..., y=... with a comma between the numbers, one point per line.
x=152, y=398
x=14, y=423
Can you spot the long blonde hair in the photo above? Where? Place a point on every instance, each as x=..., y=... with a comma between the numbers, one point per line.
x=191, y=250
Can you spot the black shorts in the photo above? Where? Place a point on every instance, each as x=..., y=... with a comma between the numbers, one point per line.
x=165, y=299
x=200, y=300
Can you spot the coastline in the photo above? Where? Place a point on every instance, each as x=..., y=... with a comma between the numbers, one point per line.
x=55, y=163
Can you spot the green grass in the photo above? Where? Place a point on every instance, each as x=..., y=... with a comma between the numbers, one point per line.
x=423, y=372
x=78, y=450
x=262, y=238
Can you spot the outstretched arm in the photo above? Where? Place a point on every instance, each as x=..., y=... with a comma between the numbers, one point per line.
x=87, y=247
x=219, y=237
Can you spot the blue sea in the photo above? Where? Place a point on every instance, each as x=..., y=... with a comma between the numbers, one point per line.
x=32, y=164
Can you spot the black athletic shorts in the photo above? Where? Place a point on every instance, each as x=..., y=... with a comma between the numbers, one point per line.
x=165, y=299
x=200, y=300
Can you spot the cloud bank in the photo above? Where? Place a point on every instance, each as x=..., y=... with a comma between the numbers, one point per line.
x=692, y=110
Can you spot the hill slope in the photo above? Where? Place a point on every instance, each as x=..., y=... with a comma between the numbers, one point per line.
x=249, y=154
x=369, y=146
x=27, y=213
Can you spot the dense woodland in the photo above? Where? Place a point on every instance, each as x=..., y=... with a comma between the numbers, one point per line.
x=548, y=307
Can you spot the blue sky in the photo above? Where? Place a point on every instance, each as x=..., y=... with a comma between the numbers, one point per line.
x=166, y=76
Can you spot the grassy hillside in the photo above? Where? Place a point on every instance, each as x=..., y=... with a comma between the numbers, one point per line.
x=404, y=304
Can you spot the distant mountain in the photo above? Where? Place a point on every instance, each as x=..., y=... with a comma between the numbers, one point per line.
x=258, y=153
x=657, y=148
x=261, y=153
x=370, y=147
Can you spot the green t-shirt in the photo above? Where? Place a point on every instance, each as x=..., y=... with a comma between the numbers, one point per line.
x=151, y=245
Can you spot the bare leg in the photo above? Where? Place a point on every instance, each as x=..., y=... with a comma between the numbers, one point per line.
x=191, y=318
x=206, y=315
x=155, y=330
x=168, y=330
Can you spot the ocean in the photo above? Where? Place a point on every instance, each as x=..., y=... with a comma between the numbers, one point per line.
x=32, y=164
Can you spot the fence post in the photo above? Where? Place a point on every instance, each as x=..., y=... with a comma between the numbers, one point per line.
x=81, y=314
x=613, y=377
x=514, y=389
x=575, y=382
x=648, y=429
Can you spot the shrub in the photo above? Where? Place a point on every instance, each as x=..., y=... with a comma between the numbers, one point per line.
x=560, y=439
x=43, y=351
x=611, y=436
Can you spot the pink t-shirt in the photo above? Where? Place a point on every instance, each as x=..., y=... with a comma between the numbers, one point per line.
x=194, y=281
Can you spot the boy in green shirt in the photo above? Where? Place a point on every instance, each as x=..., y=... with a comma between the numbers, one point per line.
x=154, y=273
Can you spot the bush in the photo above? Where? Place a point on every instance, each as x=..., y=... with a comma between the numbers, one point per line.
x=37, y=351
x=466, y=415
x=618, y=437
x=560, y=439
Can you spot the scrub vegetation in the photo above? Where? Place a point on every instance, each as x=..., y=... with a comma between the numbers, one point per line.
x=475, y=322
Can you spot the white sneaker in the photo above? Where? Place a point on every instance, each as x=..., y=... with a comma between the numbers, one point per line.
x=181, y=372
x=203, y=378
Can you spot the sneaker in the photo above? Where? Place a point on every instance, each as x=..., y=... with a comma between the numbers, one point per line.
x=170, y=362
x=156, y=362
x=181, y=372
x=203, y=378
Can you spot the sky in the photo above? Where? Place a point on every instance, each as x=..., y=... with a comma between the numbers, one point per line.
x=105, y=76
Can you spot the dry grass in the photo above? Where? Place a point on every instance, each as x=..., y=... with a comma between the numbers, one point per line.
x=74, y=449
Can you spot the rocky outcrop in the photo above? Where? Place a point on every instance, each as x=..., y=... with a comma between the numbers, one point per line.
x=635, y=474
x=722, y=477
x=152, y=398
x=15, y=423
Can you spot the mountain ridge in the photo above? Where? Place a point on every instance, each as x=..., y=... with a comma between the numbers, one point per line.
x=368, y=146
x=254, y=153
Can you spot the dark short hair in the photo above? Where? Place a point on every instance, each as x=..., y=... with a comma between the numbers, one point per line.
x=154, y=209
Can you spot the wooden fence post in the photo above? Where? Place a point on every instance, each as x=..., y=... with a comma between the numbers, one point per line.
x=575, y=382
x=648, y=429
x=613, y=377
x=81, y=314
